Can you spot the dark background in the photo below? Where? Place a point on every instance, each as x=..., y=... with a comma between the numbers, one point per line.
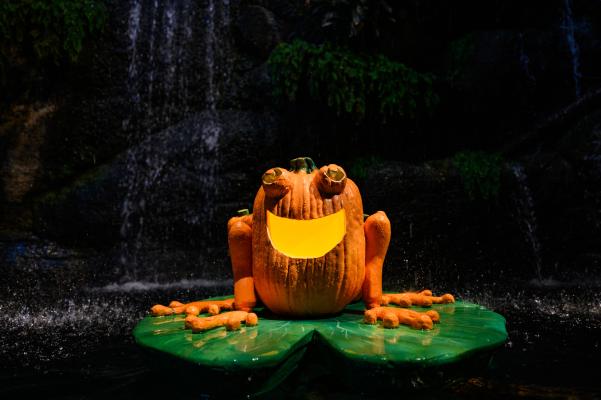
x=120, y=170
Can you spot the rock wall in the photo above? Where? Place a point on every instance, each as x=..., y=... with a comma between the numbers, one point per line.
x=133, y=162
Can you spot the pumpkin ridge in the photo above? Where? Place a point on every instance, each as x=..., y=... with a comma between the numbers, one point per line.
x=309, y=265
x=340, y=255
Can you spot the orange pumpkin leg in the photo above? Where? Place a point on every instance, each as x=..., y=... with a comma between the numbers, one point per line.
x=423, y=299
x=377, y=238
x=193, y=308
x=392, y=317
x=232, y=320
x=239, y=236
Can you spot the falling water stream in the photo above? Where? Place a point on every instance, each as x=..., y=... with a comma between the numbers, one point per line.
x=524, y=206
x=568, y=27
x=524, y=58
x=173, y=46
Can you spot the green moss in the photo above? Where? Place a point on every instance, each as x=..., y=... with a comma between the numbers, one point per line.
x=460, y=54
x=348, y=83
x=60, y=195
x=48, y=29
x=360, y=166
x=480, y=173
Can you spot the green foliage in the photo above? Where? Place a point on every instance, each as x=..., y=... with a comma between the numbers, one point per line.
x=460, y=54
x=349, y=83
x=359, y=167
x=48, y=29
x=480, y=173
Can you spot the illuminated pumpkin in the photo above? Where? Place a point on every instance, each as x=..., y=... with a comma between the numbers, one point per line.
x=306, y=251
x=308, y=243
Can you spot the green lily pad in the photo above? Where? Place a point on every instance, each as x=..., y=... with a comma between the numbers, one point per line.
x=277, y=345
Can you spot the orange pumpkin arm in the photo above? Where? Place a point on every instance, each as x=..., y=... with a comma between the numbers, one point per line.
x=239, y=237
x=377, y=238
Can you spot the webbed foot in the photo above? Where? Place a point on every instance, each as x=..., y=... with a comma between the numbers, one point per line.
x=232, y=321
x=213, y=307
x=423, y=299
x=392, y=317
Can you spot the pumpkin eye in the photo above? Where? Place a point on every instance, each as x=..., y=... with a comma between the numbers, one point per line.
x=275, y=182
x=335, y=173
x=271, y=176
x=331, y=179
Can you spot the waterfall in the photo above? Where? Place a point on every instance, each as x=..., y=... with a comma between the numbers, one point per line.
x=569, y=30
x=526, y=217
x=524, y=59
x=593, y=157
x=161, y=45
x=176, y=65
x=213, y=128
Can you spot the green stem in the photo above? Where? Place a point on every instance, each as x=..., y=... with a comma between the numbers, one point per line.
x=302, y=164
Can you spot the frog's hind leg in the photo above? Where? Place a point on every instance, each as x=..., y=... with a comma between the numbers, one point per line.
x=232, y=321
x=193, y=308
x=423, y=299
x=392, y=317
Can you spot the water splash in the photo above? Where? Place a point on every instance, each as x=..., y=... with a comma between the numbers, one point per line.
x=144, y=286
x=593, y=157
x=569, y=32
x=524, y=207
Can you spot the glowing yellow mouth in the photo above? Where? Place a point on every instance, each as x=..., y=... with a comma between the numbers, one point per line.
x=306, y=238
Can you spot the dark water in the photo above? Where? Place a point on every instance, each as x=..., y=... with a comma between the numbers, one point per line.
x=82, y=348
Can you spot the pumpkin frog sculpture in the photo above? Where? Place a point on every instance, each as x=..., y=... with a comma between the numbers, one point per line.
x=306, y=251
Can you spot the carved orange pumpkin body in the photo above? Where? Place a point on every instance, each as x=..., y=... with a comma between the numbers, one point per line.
x=300, y=286
x=306, y=252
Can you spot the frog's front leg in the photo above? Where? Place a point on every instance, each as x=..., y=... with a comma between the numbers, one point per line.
x=377, y=238
x=423, y=299
x=239, y=237
x=193, y=308
x=240, y=245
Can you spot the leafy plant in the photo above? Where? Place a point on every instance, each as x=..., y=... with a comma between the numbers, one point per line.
x=359, y=167
x=480, y=173
x=460, y=53
x=52, y=30
x=349, y=83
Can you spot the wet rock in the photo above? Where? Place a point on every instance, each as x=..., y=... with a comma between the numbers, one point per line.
x=41, y=269
x=85, y=213
x=143, y=162
x=21, y=139
x=565, y=176
x=441, y=236
x=257, y=30
x=506, y=76
x=171, y=194
x=285, y=9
